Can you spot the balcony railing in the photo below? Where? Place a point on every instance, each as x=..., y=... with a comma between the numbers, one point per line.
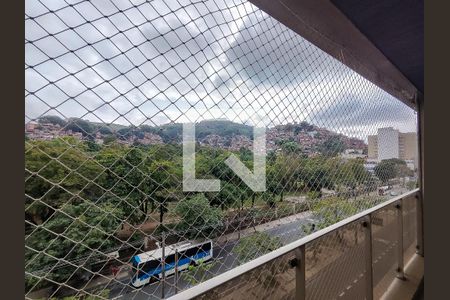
x=356, y=258
x=127, y=102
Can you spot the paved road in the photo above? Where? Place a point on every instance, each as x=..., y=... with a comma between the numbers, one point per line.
x=224, y=259
x=343, y=278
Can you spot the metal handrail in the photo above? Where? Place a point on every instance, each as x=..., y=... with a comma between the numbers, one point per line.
x=214, y=282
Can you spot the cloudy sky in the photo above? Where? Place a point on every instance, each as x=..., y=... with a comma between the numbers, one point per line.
x=154, y=62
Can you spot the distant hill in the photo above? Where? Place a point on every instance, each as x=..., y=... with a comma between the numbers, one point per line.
x=113, y=127
x=224, y=128
x=219, y=133
x=169, y=132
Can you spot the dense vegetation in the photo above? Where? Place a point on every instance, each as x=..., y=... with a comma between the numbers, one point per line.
x=391, y=168
x=255, y=245
x=82, y=194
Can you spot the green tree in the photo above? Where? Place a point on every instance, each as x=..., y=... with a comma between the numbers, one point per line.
x=92, y=146
x=228, y=196
x=104, y=294
x=255, y=245
x=411, y=185
x=316, y=173
x=290, y=147
x=79, y=125
x=198, y=273
x=350, y=174
x=125, y=133
x=124, y=177
x=245, y=154
x=332, y=146
x=198, y=217
x=57, y=172
x=52, y=120
x=303, y=127
x=105, y=130
x=329, y=211
x=390, y=168
x=165, y=183
x=269, y=199
x=282, y=174
x=70, y=234
x=109, y=139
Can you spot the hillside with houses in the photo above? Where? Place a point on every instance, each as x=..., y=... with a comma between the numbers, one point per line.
x=304, y=137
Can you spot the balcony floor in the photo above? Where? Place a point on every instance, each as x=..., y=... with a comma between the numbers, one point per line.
x=412, y=287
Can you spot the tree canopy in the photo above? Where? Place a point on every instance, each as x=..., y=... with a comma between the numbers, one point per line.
x=79, y=194
x=79, y=125
x=390, y=168
x=332, y=146
x=255, y=245
x=198, y=216
x=55, y=120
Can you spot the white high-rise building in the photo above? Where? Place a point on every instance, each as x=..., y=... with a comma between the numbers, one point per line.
x=390, y=143
x=388, y=146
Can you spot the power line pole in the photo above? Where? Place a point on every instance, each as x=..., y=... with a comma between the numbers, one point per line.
x=163, y=262
x=176, y=271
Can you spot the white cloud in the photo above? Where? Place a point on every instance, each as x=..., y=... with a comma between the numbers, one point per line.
x=157, y=62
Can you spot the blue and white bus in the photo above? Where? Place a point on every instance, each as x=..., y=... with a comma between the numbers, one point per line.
x=148, y=266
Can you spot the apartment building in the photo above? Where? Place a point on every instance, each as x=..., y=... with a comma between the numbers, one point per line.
x=390, y=143
x=408, y=145
x=372, y=148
